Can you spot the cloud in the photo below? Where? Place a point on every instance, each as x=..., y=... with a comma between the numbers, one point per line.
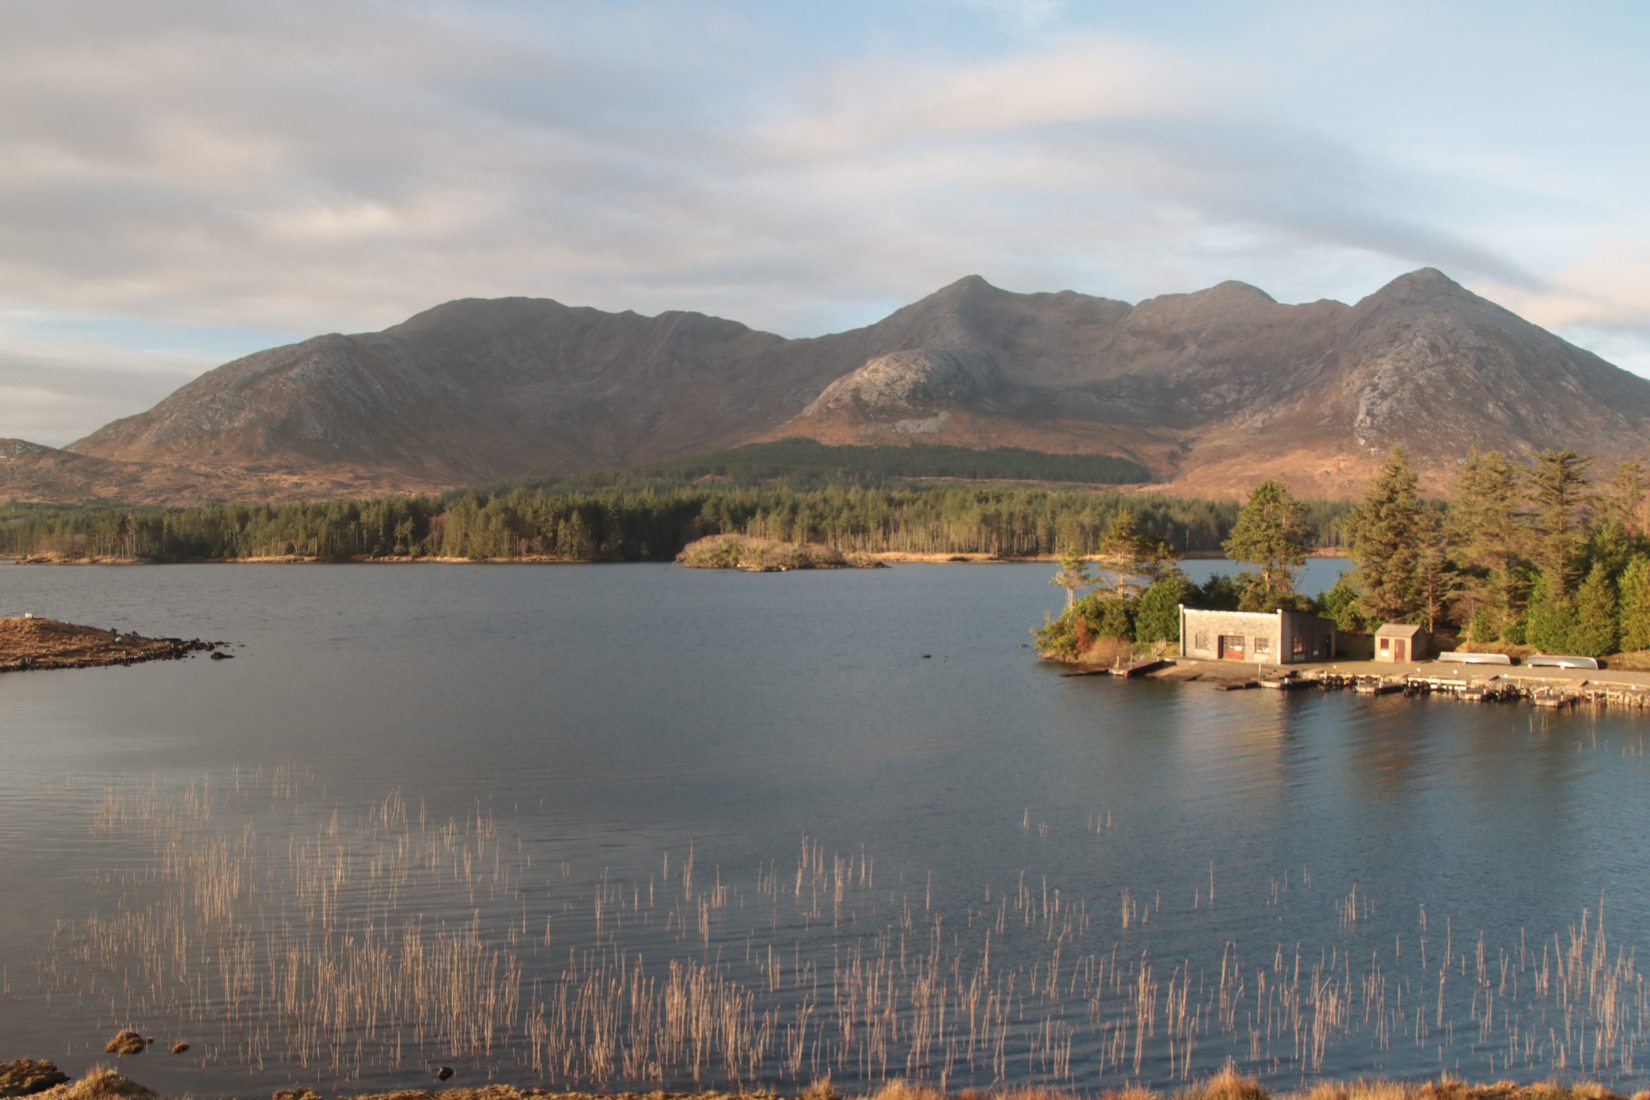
x=1601, y=301
x=1608, y=288
x=55, y=388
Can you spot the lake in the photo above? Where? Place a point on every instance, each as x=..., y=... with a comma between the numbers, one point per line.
x=638, y=825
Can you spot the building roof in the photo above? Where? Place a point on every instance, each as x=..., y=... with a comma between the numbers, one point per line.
x=1259, y=616
x=1399, y=630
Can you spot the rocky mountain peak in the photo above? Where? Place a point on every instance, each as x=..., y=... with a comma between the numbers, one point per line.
x=1213, y=390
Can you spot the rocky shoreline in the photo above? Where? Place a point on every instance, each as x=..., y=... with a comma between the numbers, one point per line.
x=28, y=643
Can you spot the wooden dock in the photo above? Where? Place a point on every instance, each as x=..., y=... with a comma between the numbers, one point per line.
x=1135, y=669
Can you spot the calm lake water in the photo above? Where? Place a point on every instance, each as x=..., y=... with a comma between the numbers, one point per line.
x=641, y=825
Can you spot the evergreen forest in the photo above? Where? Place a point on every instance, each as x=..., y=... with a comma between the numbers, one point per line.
x=619, y=523
x=1545, y=553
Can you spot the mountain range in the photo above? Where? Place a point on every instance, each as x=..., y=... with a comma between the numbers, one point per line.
x=1212, y=391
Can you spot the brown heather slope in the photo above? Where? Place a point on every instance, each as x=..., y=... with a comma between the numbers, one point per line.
x=1212, y=391
x=33, y=474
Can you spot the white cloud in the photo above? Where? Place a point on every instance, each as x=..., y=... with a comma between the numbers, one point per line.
x=56, y=388
x=1608, y=288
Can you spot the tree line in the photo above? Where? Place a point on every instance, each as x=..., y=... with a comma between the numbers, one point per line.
x=626, y=523
x=1525, y=551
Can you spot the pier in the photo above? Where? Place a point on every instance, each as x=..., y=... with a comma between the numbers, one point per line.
x=1547, y=688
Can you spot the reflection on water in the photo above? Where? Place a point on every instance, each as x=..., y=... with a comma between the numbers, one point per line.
x=643, y=826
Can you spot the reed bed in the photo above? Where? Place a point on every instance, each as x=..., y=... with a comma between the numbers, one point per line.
x=280, y=932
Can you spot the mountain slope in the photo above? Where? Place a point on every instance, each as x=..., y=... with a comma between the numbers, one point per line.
x=1211, y=390
x=35, y=474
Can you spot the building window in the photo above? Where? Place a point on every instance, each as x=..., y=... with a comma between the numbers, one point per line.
x=1299, y=647
x=1263, y=647
x=1386, y=645
x=1200, y=641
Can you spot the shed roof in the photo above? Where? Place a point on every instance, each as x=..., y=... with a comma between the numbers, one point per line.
x=1399, y=630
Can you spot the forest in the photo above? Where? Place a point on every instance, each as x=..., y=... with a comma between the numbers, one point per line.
x=788, y=491
x=1528, y=553
x=610, y=525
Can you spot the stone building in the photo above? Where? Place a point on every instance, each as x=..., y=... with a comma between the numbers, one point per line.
x=1275, y=638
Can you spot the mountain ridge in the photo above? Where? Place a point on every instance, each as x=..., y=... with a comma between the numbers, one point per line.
x=1212, y=390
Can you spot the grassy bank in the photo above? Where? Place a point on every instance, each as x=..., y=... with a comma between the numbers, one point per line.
x=33, y=643
x=103, y=1083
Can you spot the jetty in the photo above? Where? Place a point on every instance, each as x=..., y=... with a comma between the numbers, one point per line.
x=1549, y=688
x=1131, y=670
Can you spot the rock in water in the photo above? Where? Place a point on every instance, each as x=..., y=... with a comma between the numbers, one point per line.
x=444, y=1073
x=126, y=1042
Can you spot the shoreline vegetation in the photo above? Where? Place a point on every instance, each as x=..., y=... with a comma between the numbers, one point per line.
x=30, y=643
x=41, y=1080
x=883, y=501
x=882, y=557
x=754, y=555
x=1526, y=556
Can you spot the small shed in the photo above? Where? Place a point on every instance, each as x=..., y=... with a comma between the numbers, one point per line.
x=1397, y=642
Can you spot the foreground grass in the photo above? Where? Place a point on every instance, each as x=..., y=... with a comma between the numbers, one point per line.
x=104, y=1083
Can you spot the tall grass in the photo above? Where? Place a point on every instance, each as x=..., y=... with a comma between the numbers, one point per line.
x=277, y=931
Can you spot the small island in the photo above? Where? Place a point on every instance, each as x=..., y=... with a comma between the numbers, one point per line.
x=757, y=555
x=27, y=642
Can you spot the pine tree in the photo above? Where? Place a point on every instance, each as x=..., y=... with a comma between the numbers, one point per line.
x=1074, y=576
x=1157, y=619
x=1271, y=532
x=1558, y=492
x=1622, y=498
x=1384, y=532
x=1123, y=551
x=1489, y=538
x=1633, y=607
x=1595, y=630
x=1436, y=579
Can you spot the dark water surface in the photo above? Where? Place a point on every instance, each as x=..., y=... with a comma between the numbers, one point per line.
x=643, y=825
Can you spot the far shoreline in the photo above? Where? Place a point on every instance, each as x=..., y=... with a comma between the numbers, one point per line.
x=885, y=557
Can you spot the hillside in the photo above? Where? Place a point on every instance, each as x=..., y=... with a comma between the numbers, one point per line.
x=1210, y=391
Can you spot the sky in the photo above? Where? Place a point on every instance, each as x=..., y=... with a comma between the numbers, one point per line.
x=183, y=182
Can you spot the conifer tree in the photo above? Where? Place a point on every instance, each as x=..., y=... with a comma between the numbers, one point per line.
x=1123, y=551
x=1384, y=533
x=1595, y=631
x=1550, y=618
x=1621, y=499
x=1558, y=492
x=1157, y=619
x=1270, y=532
x=1436, y=579
x=1489, y=538
x=1633, y=605
x=1074, y=576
